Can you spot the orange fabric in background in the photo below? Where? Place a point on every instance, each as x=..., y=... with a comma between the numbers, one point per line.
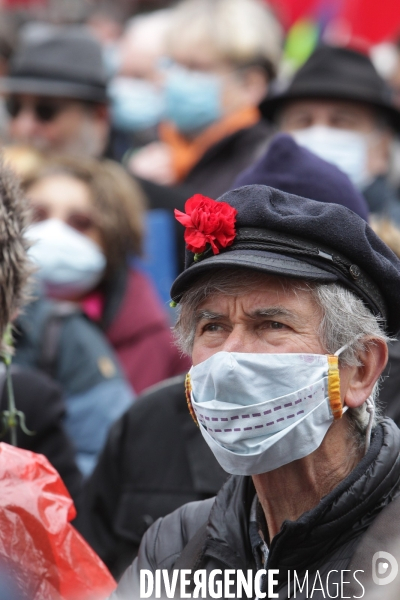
x=187, y=153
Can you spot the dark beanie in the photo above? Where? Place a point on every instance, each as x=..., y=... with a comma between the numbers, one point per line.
x=288, y=167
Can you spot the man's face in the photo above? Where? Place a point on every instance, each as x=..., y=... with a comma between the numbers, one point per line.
x=270, y=319
x=56, y=124
x=346, y=116
x=239, y=87
x=352, y=116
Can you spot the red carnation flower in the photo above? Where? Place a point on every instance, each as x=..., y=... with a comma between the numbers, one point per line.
x=207, y=222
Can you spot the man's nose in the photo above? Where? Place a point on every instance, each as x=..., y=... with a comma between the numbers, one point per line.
x=24, y=125
x=238, y=340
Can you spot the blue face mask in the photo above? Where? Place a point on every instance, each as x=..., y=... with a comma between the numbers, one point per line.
x=193, y=99
x=135, y=104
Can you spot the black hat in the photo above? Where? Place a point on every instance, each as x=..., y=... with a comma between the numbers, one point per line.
x=336, y=73
x=291, y=168
x=67, y=63
x=290, y=236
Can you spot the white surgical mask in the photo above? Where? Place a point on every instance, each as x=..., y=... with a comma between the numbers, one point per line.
x=70, y=264
x=258, y=412
x=347, y=150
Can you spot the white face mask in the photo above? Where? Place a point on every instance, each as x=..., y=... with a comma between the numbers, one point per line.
x=70, y=264
x=258, y=412
x=347, y=150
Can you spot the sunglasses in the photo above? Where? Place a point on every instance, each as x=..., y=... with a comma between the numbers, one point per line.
x=44, y=110
x=77, y=220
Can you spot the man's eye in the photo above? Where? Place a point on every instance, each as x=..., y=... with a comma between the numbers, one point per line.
x=274, y=325
x=212, y=327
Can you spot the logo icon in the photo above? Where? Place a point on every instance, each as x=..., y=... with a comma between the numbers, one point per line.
x=384, y=568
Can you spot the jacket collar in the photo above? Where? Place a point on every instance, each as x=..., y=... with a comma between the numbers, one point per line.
x=341, y=515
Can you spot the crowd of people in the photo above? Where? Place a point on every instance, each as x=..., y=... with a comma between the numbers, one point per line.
x=175, y=150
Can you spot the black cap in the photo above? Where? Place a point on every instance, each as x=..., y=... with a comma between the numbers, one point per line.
x=336, y=73
x=290, y=236
x=67, y=63
x=291, y=168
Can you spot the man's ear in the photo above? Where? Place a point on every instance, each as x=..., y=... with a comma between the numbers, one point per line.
x=359, y=381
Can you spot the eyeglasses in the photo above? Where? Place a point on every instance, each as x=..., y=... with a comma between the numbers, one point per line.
x=44, y=110
x=77, y=220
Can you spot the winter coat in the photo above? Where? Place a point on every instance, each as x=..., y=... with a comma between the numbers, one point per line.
x=39, y=398
x=218, y=168
x=57, y=339
x=155, y=460
x=137, y=327
x=322, y=539
x=382, y=199
x=389, y=390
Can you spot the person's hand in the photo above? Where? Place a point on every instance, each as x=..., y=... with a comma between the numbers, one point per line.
x=153, y=162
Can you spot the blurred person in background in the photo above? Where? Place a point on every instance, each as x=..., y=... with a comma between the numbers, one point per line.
x=55, y=92
x=222, y=55
x=106, y=23
x=59, y=340
x=389, y=390
x=89, y=227
x=37, y=397
x=338, y=107
x=136, y=95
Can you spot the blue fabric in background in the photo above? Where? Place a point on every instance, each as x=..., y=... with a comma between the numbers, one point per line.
x=160, y=259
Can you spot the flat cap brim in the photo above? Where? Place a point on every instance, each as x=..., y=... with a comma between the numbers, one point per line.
x=266, y=262
x=53, y=88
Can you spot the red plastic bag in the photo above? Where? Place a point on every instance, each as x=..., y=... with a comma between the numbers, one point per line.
x=44, y=555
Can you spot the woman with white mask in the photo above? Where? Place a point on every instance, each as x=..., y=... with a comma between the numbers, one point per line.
x=88, y=228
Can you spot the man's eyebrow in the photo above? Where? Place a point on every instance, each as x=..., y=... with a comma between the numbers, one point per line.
x=273, y=311
x=207, y=314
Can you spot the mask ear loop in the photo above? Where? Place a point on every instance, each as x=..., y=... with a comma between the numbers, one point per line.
x=371, y=410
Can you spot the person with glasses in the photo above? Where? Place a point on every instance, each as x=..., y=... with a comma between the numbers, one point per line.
x=55, y=93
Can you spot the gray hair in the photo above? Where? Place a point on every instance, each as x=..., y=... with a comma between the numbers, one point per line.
x=345, y=320
x=15, y=268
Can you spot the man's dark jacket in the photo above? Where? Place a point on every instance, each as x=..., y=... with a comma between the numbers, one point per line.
x=39, y=398
x=155, y=460
x=322, y=539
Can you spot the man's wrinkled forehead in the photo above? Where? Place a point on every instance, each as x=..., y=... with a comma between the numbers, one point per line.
x=258, y=296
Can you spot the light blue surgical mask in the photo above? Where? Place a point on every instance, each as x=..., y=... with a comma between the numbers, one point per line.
x=136, y=104
x=258, y=412
x=193, y=99
x=69, y=263
x=347, y=150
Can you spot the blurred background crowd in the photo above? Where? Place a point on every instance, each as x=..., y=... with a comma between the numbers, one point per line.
x=112, y=114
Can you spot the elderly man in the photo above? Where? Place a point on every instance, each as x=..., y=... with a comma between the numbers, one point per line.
x=285, y=307
x=55, y=93
x=338, y=107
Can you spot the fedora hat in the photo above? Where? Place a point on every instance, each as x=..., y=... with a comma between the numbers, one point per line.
x=336, y=74
x=66, y=63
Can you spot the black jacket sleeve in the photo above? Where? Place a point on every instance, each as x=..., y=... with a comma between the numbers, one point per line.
x=39, y=398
